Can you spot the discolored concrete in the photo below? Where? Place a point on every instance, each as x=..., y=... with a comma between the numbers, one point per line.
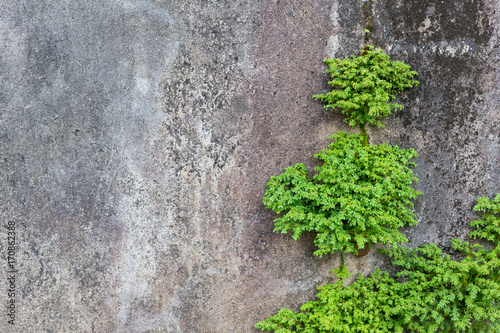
x=136, y=139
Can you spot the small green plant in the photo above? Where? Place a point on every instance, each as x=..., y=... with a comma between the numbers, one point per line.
x=365, y=306
x=488, y=227
x=363, y=87
x=433, y=293
x=361, y=195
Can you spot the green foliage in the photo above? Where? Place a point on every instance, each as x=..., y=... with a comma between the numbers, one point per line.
x=489, y=224
x=342, y=273
x=360, y=195
x=363, y=86
x=433, y=293
x=454, y=295
x=365, y=306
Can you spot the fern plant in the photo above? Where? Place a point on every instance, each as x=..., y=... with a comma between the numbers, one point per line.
x=362, y=193
x=363, y=86
x=462, y=295
x=365, y=306
x=489, y=224
x=433, y=293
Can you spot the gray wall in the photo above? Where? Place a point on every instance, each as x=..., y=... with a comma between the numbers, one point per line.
x=137, y=138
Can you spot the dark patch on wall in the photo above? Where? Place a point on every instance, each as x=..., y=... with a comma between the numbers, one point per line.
x=417, y=21
x=447, y=91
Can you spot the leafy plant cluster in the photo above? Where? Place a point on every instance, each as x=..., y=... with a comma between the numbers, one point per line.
x=361, y=195
x=363, y=86
x=432, y=292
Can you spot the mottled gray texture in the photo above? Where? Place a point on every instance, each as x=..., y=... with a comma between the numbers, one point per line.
x=137, y=138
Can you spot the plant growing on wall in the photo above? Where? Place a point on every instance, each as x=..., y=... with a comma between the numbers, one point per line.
x=362, y=193
x=434, y=293
x=362, y=87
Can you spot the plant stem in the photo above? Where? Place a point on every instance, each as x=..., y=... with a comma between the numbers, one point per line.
x=364, y=134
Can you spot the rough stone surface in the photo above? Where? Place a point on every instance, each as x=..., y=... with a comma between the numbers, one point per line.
x=136, y=139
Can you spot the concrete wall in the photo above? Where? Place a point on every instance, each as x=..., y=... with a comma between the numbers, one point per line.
x=136, y=139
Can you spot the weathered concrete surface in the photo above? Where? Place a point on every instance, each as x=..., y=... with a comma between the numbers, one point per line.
x=137, y=138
